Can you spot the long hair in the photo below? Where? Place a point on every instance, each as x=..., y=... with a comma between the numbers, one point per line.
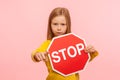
x=57, y=12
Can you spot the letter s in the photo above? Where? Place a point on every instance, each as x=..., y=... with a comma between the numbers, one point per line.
x=57, y=58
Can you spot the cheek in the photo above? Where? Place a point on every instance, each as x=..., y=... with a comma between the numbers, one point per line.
x=64, y=30
x=53, y=28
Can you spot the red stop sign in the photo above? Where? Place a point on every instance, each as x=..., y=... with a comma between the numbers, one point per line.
x=67, y=55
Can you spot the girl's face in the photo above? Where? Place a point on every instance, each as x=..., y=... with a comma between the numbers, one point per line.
x=58, y=25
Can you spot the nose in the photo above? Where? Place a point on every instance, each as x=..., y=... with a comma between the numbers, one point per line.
x=59, y=28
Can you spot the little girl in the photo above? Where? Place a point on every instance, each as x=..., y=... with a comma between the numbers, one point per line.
x=59, y=23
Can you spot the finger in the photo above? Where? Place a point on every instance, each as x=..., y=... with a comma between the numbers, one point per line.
x=93, y=50
x=40, y=57
x=89, y=47
x=43, y=56
x=86, y=50
x=37, y=58
x=46, y=56
x=46, y=53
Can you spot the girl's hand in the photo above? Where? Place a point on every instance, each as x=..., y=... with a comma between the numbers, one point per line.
x=90, y=49
x=41, y=57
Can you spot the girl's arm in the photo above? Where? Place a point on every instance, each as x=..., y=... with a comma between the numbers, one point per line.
x=93, y=55
x=33, y=55
x=40, y=53
x=92, y=51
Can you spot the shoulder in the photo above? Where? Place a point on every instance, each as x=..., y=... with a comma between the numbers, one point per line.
x=43, y=47
x=47, y=42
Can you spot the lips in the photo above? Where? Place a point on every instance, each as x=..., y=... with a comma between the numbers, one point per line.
x=59, y=33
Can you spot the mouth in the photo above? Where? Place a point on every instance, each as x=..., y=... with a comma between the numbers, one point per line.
x=59, y=33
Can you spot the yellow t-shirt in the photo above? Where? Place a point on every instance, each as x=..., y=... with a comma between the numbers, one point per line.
x=53, y=75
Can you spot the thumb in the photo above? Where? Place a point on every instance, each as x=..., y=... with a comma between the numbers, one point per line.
x=46, y=56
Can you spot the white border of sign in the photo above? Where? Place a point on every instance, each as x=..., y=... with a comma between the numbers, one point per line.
x=51, y=60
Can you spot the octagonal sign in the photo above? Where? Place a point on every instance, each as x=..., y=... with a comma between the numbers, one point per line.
x=67, y=55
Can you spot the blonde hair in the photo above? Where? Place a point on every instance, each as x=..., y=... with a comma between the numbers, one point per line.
x=57, y=12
